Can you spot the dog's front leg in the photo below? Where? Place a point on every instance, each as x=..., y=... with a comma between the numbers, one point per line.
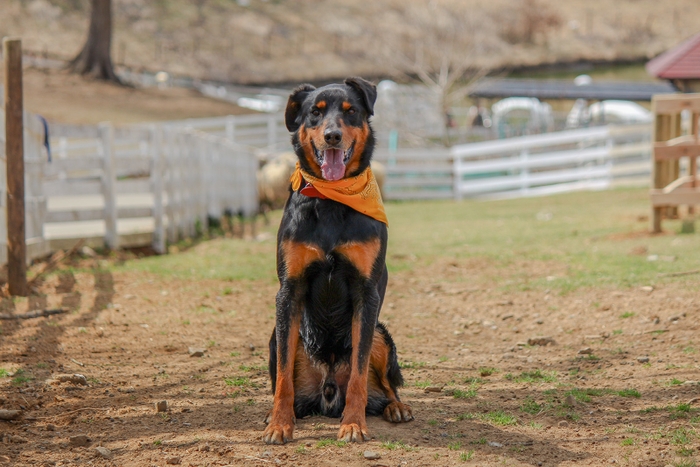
x=353, y=426
x=281, y=426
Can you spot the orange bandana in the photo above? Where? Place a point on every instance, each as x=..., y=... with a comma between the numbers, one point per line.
x=361, y=192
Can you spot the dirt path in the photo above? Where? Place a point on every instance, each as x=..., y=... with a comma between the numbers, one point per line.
x=481, y=395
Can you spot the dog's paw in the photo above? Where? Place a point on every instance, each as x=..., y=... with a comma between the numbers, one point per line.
x=352, y=432
x=276, y=433
x=268, y=418
x=398, y=412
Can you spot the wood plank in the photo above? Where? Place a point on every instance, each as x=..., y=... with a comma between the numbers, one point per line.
x=14, y=153
x=667, y=104
x=108, y=186
x=73, y=187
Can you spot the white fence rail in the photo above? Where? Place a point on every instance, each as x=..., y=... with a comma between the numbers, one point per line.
x=129, y=187
x=591, y=158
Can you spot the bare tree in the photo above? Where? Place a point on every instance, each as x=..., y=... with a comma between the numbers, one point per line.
x=95, y=58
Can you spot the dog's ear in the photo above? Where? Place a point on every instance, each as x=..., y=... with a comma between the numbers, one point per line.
x=367, y=90
x=291, y=113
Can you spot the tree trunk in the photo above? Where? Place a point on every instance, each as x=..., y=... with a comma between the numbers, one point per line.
x=95, y=58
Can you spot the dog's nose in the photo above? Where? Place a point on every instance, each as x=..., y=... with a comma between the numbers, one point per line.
x=333, y=136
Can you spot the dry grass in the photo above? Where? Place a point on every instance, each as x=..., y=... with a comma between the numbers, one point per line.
x=285, y=40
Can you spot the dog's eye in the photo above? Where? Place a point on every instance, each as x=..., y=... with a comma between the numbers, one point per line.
x=351, y=111
x=315, y=112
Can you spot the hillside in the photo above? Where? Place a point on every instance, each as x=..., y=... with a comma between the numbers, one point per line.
x=273, y=41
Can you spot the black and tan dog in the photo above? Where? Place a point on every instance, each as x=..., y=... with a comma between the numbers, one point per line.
x=329, y=354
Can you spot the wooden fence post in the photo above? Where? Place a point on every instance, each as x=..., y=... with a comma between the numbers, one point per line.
x=14, y=151
x=109, y=182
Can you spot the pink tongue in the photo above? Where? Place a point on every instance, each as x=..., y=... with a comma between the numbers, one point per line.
x=333, y=167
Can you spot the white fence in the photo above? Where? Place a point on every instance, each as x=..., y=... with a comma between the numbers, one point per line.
x=591, y=158
x=129, y=187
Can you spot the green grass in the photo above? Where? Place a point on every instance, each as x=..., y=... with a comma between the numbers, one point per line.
x=627, y=314
x=393, y=445
x=4, y=373
x=422, y=384
x=505, y=233
x=20, y=378
x=629, y=393
x=499, y=417
x=535, y=376
x=411, y=365
x=454, y=446
x=241, y=381
x=466, y=455
x=594, y=253
x=531, y=407
x=485, y=371
x=584, y=395
x=681, y=410
x=627, y=442
x=325, y=442
x=465, y=394
x=675, y=382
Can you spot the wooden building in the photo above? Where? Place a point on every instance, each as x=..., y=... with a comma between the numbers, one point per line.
x=680, y=65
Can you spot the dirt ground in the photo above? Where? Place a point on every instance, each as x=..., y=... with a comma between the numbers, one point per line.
x=65, y=98
x=618, y=384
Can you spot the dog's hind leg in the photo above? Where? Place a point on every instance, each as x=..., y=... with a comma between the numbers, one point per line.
x=385, y=379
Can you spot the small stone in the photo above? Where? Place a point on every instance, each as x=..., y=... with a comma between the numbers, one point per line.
x=643, y=359
x=87, y=251
x=540, y=341
x=647, y=289
x=195, y=352
x=570, y=401
x=433, y=389
x=251, y=347
x=371, y=455
x=50, y=427
x=175, y=460
x=103, y=452
x=586, y=351
x=494, y=444
x=563, y=423
x=100, y=332
x=162, y=406
x=18, y=439
x=79, y=440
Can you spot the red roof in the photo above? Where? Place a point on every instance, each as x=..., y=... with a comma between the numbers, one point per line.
x=680, y=62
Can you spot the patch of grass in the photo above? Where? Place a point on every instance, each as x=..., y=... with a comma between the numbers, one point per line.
x=465, y=416
x=454, y=446
x=531, y=407
x=627, y=442
x=408, y=365
x=629, y=393
x=442, y=359
x=535, y=425
x=675, y=382
x=499, y=417
x=393, y=445
x=301, y=450
x=681, y=410
x=432, y=422
x=422, y=384
x=4, y=373
x=486, y=371
x=681, y=436
x=584, y=395
x=685, y=463
x=234, y=354
x=465, y=394
x=157, y=442
x=627, y=314
x=253, y=368
x=465, y=456
x=325, y=442
x=474, y=380
x=617, y=332
x=20, y=378
x=534, y=376
x=651, y=409
x=685, y=452
x=240, y=381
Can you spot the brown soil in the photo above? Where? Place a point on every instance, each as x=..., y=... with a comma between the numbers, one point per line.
x=66, y=98
x=129, y=334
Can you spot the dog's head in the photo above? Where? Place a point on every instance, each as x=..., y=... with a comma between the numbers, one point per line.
x=332, y=135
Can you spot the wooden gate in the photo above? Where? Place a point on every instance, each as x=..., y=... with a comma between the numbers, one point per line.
x=676, y=149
